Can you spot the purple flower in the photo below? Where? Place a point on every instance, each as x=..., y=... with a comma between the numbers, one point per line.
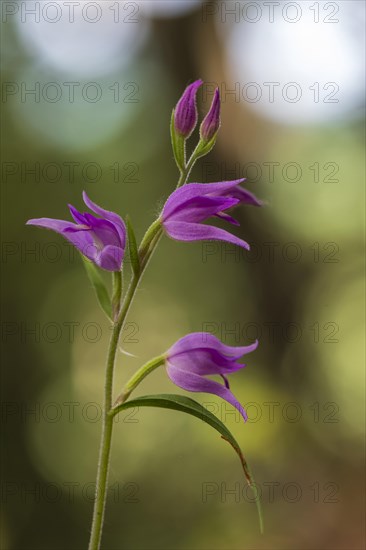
x=199, y=354
x=194, y=203
x=185, y=114
x=102, y=240
x=211, y=124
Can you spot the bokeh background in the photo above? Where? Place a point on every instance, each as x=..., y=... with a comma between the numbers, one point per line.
x=87, y=93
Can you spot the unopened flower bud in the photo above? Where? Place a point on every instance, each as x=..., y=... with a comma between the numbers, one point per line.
x=185, y=114
x=211, y=123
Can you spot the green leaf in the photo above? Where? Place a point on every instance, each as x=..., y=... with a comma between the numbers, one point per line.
x=189, y=406
x=178, y=145
x=99, y=286
x=132, y=246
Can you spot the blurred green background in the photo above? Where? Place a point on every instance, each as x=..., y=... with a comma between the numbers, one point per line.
x=87, y=93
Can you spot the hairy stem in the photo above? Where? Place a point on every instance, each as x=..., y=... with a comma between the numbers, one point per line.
x=117, y=293
x=105, y=446
x=184, y=175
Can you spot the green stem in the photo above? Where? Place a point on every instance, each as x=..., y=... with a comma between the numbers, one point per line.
x=105, y=447
x=106, y=439
x=184, y=175
x=147, y=247
x=117, y=293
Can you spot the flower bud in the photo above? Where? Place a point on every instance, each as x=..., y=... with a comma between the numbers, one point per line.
x=211, y=123
x=185, y=114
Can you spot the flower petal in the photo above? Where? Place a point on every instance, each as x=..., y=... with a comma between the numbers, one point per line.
x=105, y=231
x=110, y=258
x=204, y=361
x=227, y=218
x=198, y=340
x=110, y=216
x=245, y=196
x=78, y=216
x=195, y=383
x=200, y=208
x=81, y=239
x=182, y=231
x=49, y=223
x=191, y=190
